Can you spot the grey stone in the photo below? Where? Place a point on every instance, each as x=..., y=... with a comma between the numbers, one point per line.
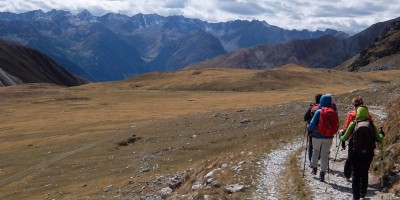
x=166, y=192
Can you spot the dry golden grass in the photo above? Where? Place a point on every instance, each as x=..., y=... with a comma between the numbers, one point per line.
x=63, y=142
x=285, y=78
x=392, y=147
x=292, y=185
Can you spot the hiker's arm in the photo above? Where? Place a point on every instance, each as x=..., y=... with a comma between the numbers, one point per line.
x=307, y=115
x=314, y=121
x=348, y=132
x=348, y=121
x=378, y=136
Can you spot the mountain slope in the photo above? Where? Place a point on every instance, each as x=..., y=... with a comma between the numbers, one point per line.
x=324, y=52
x=382, y=54
x=196, y=46
x=19, y=64
x=310, y=53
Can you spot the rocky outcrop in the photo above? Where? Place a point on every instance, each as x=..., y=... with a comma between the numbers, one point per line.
x=382, y=54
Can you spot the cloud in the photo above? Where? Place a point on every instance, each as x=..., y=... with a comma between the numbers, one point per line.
x=242, y=8
x=175, y=3
x=346, y=15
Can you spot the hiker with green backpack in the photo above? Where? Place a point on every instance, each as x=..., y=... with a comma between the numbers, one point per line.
x=324, y=125
x=348, y=169
x=364, y=135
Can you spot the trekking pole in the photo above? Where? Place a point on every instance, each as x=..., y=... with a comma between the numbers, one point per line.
x=337, y=150
x=381, y=131
x=382, y=171
x=336, y=140
x=327, y=182
x=305, y=153
x=334, y=160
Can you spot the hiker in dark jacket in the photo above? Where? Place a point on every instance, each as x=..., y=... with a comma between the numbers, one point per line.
x=361, y=159
x=321, y=143
x=307, y=118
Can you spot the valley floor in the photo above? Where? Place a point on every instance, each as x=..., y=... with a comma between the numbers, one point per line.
x=109, y=141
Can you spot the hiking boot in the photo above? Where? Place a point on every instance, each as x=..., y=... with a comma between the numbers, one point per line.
x=362, y=195
x=322, y=176
x=314, y=170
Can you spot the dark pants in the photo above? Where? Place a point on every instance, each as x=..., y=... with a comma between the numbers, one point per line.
x=310, y=148
x=348, y=168
x=361, y=163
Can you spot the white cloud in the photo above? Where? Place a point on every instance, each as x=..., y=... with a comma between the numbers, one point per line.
x=346, y=15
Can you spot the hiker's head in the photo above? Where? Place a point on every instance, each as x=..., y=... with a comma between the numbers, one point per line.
x=317, y=98
x=326, y=100
x=362, y=112
x=358, y=101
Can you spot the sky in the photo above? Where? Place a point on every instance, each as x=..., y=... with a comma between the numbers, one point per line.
x=350, y=16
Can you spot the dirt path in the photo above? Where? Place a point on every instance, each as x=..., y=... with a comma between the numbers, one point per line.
x=335, y=186
x=273, y=165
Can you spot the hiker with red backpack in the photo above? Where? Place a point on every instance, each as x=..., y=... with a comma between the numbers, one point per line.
x=307, y=118
x=324, y=125
x=358, y=101
x=364, y=135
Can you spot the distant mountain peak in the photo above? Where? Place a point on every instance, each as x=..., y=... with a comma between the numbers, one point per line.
x=54, y=13
x=113, y=16
x=86, y=15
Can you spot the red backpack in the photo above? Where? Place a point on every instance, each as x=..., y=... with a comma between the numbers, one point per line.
x=328, y=123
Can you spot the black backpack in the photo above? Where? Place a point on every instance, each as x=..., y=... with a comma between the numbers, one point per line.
x=363, y=137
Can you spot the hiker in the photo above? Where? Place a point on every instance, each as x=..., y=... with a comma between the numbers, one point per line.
x=307, y=118
x=324, y=125
x=358, y=101
x=364, y=134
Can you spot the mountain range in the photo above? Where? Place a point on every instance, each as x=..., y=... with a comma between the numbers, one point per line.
x=19, y=64
x=116, y=46
x=324, y=52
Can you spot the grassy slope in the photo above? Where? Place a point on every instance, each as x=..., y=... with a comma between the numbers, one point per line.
x=392, y=147
x=64, y=140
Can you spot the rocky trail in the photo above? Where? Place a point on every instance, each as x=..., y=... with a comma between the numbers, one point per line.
x=336, y=186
